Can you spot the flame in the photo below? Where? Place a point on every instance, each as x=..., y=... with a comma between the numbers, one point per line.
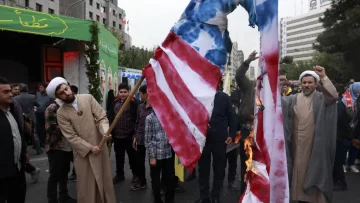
x=248, y=143
x=238, y=137
x=258, y=102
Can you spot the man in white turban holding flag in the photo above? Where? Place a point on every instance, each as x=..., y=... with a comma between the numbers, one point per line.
x=310, y=135
x=83, y=123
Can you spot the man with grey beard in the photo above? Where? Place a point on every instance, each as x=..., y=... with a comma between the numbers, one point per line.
x=310, y=134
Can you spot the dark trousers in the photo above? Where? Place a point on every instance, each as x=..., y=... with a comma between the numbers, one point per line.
x=218, y=152
x=165, y=169
x=347, y=146
x=140, y=163
x=40, y=128
x=340, y=155
x=59, y=167
x=232, y=162
x=72, y=160
x=13, y=190
x=120, y=146
x=243, y=158
x=34, y=138
x=29, y=168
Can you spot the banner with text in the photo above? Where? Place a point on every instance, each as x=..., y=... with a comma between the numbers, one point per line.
x=34, y=22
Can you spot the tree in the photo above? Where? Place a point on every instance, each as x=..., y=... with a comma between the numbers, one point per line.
x=293, y=71
x=135, y=57
x=342, y=33
x=335, y=66
x=287, y=60
x=116, y=34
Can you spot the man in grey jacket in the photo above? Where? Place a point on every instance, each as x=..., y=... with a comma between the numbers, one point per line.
x=28, y=102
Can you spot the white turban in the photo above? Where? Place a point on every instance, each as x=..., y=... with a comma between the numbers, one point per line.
x=310, y=72
x=54, y=83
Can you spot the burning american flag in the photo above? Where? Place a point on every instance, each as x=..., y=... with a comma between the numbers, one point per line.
x=183, y=78
x=267, y=175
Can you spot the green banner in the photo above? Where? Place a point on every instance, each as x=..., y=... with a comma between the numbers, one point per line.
x=108, y=56
x=33, y=22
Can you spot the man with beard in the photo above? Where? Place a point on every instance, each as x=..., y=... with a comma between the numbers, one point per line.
x=12, y=148
x=15, y=89
x=83, y=123
x=310, y=122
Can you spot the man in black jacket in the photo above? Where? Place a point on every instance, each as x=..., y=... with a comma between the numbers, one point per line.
x=12, y=148
x=222, y=131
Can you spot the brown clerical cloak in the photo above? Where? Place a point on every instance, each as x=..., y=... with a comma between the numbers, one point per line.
x=85, y=128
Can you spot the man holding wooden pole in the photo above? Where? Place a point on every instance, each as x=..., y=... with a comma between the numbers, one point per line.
x=84, y=124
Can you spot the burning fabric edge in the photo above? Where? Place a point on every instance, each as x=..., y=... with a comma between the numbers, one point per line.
x=266, y=174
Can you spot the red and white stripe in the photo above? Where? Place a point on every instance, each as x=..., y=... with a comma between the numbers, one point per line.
x=182, y=85
x=268, y=177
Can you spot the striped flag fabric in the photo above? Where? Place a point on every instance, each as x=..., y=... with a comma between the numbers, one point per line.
x=185, y=72
x=183, y=78
x=267, y=177
x=123, y=19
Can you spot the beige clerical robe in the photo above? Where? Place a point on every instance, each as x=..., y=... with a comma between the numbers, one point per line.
x=303, y=137
x=85, y=128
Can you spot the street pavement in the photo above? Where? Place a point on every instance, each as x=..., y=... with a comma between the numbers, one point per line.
x=36, y=193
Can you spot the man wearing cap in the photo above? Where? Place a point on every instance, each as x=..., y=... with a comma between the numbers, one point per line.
x=310, y=135
x=83, y=123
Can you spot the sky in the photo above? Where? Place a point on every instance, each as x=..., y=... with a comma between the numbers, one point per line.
x=151, y=20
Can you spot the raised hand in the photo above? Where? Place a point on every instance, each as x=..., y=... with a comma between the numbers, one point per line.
x=253, y=56
x=320, y=71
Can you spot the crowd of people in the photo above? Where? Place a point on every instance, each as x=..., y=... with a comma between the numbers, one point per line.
x=320, y=128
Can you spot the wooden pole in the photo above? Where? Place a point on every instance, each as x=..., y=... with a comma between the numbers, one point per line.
x=127, y=101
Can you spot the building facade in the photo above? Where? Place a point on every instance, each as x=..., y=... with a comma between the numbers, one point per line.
x=251, y=73
x=235, y=59
x=46, y=6
x=299, y=33
x=105, y=12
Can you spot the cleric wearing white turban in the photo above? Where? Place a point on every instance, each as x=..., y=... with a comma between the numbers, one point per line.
x=310, y=133
x=53, y=85
x=83, y=122
x=308, y=73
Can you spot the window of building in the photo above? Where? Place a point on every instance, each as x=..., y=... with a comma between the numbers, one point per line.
x=305, y=18
x=113, y=12
x=51, y=11
x=104, y=21
x=39, y=7
x=120, y=16
x=98, y=18
x=26, y=3
x=120, y=26
x=302, y=37
x=305, y=31
x=97, y=5
x=103, y=9
x=90, y=15
x=91, y=2
x=302, y=25
x=114, y=24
